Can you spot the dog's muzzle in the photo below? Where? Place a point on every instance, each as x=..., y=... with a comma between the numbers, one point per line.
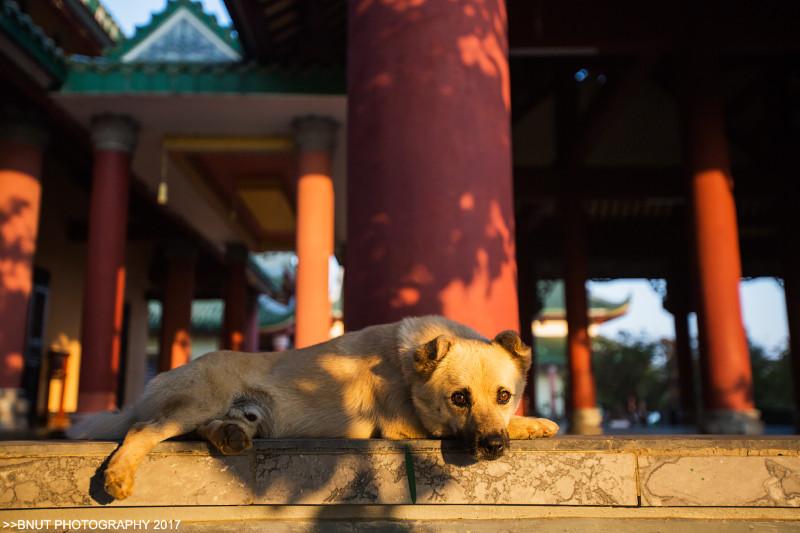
x=490, y=446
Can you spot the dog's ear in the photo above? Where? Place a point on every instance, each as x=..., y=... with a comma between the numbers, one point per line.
x=428, y=355
x=520, y=352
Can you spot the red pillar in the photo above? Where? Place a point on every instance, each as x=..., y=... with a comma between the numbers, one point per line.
x=315, y=138
x=430, y=225
x=114, y=138
x=234, y=323
x=584, y=415
x=728, y=383
x=176, y=316
x=678, y=304
x=21, y=147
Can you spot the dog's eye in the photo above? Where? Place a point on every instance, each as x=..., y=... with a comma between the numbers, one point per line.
x=251, y=417
x=503, y=396
x=459, y=399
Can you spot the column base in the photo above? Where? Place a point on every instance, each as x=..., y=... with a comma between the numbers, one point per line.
x=14, y=409
x=586, y=421
x=729, y=422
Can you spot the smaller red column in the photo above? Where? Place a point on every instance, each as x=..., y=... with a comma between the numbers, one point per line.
x=21, y=148
x=234, y=324
x=315, y=138
x=176, y=315
x=114, y=138
x=585, y=417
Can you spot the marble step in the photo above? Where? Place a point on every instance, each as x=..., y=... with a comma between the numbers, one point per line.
x=647, y=474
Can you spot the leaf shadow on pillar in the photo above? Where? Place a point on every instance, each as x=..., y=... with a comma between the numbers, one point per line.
x=434, y=230
x=16, y=277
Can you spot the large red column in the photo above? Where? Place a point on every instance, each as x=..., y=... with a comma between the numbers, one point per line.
x=176, y=315
x=234, y=322
x=430, y=225
x=728, y=383
x=114, y=138
x=21, y=147
x=315, y=138
x=585, y=417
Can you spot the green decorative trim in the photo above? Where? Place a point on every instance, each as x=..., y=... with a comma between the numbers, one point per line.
x=32, y=39
x=157, y=19
x=104, y=77
x=103, y=18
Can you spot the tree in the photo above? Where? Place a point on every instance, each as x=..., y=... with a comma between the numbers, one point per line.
x=772, y=384
x=631, y=374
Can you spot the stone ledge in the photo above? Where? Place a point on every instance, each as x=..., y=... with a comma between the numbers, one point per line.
x=570, y=471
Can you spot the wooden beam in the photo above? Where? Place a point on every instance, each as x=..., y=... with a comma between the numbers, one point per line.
x=606, y=107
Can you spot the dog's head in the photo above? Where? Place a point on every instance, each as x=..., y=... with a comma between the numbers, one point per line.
x=470, y=388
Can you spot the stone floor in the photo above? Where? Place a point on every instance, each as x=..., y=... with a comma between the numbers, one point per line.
x=562, y=484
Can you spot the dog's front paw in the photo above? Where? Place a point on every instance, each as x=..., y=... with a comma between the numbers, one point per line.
x=548, y=427
x=234, y=439
x=522, y=428
x=119, y=483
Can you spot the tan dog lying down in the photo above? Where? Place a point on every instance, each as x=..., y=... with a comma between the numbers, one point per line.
x=418, y=378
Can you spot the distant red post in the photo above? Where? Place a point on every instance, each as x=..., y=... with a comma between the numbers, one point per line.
x=728, y=382
x=430, y=226
x=114, y=138
x=176, y=316
x=315, y=138
x=585, y=418
x=234, y=324
x=21, y=147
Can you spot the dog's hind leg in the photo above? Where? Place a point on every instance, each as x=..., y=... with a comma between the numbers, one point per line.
x=142, y=438
x=525, y=427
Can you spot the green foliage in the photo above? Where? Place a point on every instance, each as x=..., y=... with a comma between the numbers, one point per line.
x=772, y=380
x=630, y=368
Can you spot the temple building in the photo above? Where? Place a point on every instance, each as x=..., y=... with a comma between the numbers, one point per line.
x=450, y=155
x=550, y=329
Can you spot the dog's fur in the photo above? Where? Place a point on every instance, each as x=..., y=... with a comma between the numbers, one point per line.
x=395, y=381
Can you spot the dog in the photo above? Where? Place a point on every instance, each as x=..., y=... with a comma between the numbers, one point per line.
x=425, y=377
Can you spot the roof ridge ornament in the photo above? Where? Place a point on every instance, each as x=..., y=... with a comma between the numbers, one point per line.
x=183, y=32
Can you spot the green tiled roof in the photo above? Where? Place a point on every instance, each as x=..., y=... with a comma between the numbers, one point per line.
x=599, y=308
x=21, y=29
x=207, y=315
x=88, y=75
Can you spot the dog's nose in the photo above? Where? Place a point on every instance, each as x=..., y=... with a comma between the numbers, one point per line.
x=492, y=444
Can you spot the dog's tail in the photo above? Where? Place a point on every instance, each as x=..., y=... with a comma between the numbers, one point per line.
x=103, y=426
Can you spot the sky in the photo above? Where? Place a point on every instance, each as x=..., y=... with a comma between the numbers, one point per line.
x=763, y=304
x=130, y=13
x=763, y=309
